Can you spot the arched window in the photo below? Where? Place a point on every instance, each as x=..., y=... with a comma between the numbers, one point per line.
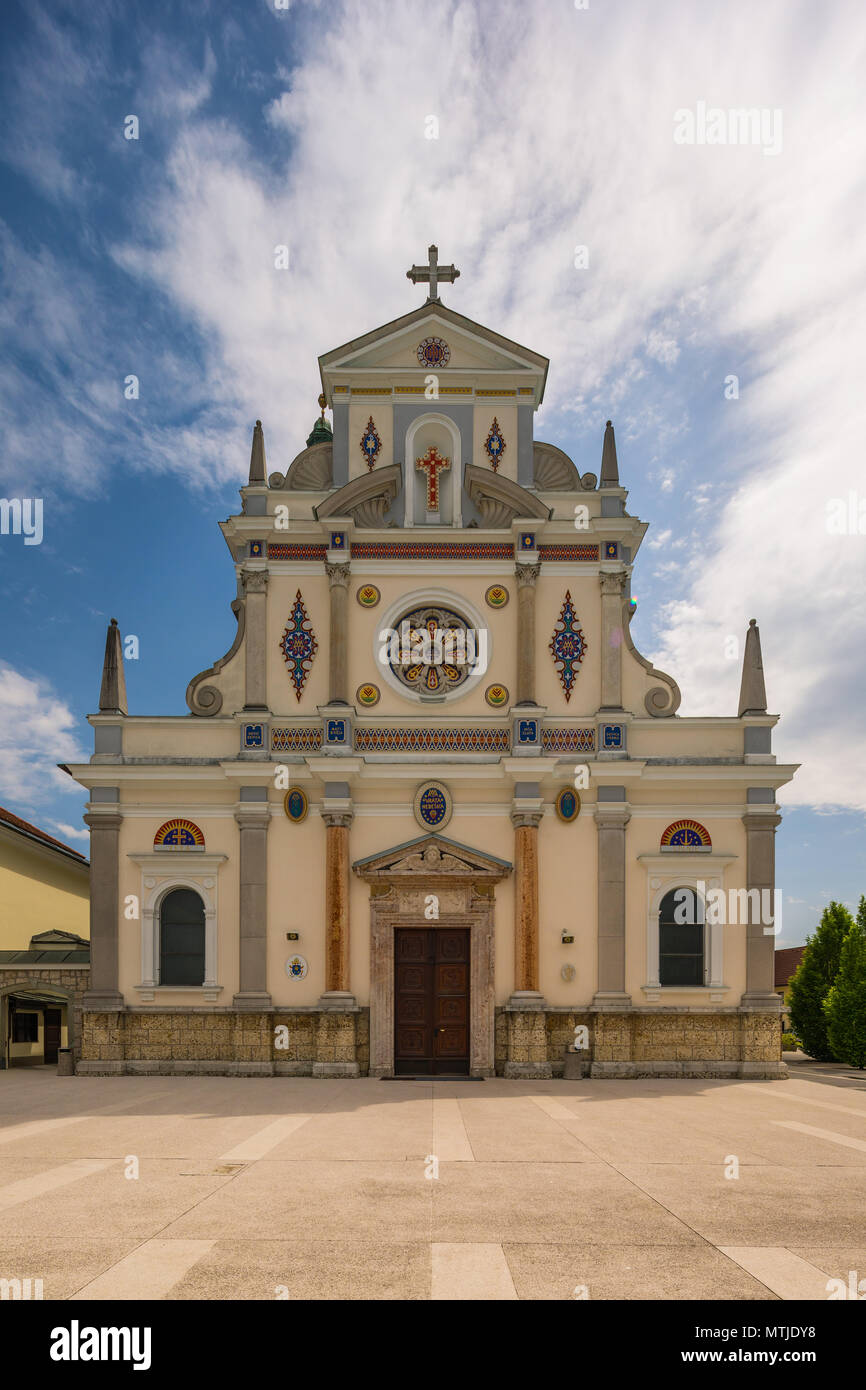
x=181, y=938
x=681, y=939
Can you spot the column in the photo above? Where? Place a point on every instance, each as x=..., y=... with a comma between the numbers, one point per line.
x=338, y=581
x=761, y=874
x=253, y=819
x=612, y=586
x=103, y=994
x=611, y=818
x=337, y=814
x=526, y=1030
x=526, y=577
x=255, y=583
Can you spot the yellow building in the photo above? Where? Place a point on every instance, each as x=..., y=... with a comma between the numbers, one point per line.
x=44, y=959
x=433, y=813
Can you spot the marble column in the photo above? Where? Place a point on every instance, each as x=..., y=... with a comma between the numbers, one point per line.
x=612, y=586
x=103, y=994
x=526, y=578
x=337, y=992
x=253, y=820
x=761, y=874
x=611, y=817
x=338, y=581
x=526, y=992
x=255, y=585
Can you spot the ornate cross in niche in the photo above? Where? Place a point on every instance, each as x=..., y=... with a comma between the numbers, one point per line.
x=432, y=464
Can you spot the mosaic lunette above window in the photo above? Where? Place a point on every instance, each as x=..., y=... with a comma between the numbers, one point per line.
x=178, y=834
x=686, y=834
x=298, y=644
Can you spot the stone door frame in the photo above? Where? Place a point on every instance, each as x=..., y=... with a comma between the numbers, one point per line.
x=401, y=882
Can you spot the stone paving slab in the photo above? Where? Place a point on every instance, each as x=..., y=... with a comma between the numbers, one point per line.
x=269, y=1188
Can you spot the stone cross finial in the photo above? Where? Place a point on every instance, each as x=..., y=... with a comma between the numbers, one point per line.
x=432, y=272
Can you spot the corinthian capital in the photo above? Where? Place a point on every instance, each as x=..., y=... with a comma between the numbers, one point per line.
x=338, y=575
x=254, y=581
x=612, y=583
x=527, y=574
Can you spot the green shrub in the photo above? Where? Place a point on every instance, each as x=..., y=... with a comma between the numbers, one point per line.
x=813, y=980
x=845, y=1005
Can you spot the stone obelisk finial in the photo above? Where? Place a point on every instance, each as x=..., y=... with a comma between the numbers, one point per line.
x=258, y=476
x=609, y=465
x=112, y=694
x=753, y=695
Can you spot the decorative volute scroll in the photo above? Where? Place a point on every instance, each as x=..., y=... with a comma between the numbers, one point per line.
x=312, y=470
x=662, y=700
x=499, y=500
x=207, y=700
x=365, y=500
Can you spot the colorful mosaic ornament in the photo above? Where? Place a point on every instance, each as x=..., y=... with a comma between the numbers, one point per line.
x=178, y=834
x=296, y=805
x=567, y=804
x=431, y=465
x=686, y=834
x=567, y=740
x=368, y=694
x=303, y=738
x=433, y=806
x=434, y=352
x=296, y=968
x=496, y=695
x=496, y=596
x=567, y=646
x=298, y=644
x=440, y=740
x=368, y=596
x=495, y=444
x=370, y=443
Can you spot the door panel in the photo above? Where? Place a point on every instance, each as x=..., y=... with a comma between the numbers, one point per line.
x=431, y=1007
x=51, y=1034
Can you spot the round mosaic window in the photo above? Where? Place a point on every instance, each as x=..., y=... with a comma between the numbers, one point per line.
x=434, y=352
x=432, y=650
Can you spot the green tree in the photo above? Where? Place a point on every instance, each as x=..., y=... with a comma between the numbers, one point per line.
x=845, y=1005
x=814, y=979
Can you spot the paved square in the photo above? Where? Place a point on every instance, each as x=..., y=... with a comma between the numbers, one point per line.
x=274, y=1187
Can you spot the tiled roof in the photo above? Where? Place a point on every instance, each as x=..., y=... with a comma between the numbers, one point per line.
x=45, y=958
x=33, y=832
x=787, y=961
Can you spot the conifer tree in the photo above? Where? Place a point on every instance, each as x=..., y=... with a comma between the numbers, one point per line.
x=814, y=978
x=845, y=1005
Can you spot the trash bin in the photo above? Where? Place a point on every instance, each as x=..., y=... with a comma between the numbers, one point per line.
x=65, y=1062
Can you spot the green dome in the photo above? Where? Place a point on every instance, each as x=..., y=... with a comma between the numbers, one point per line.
x=321, y=433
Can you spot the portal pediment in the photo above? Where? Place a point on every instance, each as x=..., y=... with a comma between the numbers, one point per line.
x=431, y=856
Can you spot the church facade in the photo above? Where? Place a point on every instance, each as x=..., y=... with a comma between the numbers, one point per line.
x=432, y=813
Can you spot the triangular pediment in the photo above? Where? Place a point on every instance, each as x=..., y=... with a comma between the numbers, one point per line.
x=394, y=346
x=431, y=856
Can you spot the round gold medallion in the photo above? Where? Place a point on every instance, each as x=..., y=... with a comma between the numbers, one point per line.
x=368, y=596
x=367, y=694
x=496, y=596
x=496, y=696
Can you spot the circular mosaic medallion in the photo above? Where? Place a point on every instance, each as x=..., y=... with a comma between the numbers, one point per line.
x=567, y=804
x=295, y=804
x=434, y=352
x=433, y=650
x=496, y=695
x=296, y=967
x=432, y=806
x=368, y=596
x=367, y=694
x=496, y=596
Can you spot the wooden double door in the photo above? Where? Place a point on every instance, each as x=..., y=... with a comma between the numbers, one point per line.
x=431, y=1001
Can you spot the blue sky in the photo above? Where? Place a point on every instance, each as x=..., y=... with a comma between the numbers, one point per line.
x=307, y=126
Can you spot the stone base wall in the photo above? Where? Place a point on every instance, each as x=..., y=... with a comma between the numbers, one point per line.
x=225, y=1042
x=529, y=1043
x=636, y=1042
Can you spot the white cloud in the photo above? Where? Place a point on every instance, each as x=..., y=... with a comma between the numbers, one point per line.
x=69, y=832
x=37, y=731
